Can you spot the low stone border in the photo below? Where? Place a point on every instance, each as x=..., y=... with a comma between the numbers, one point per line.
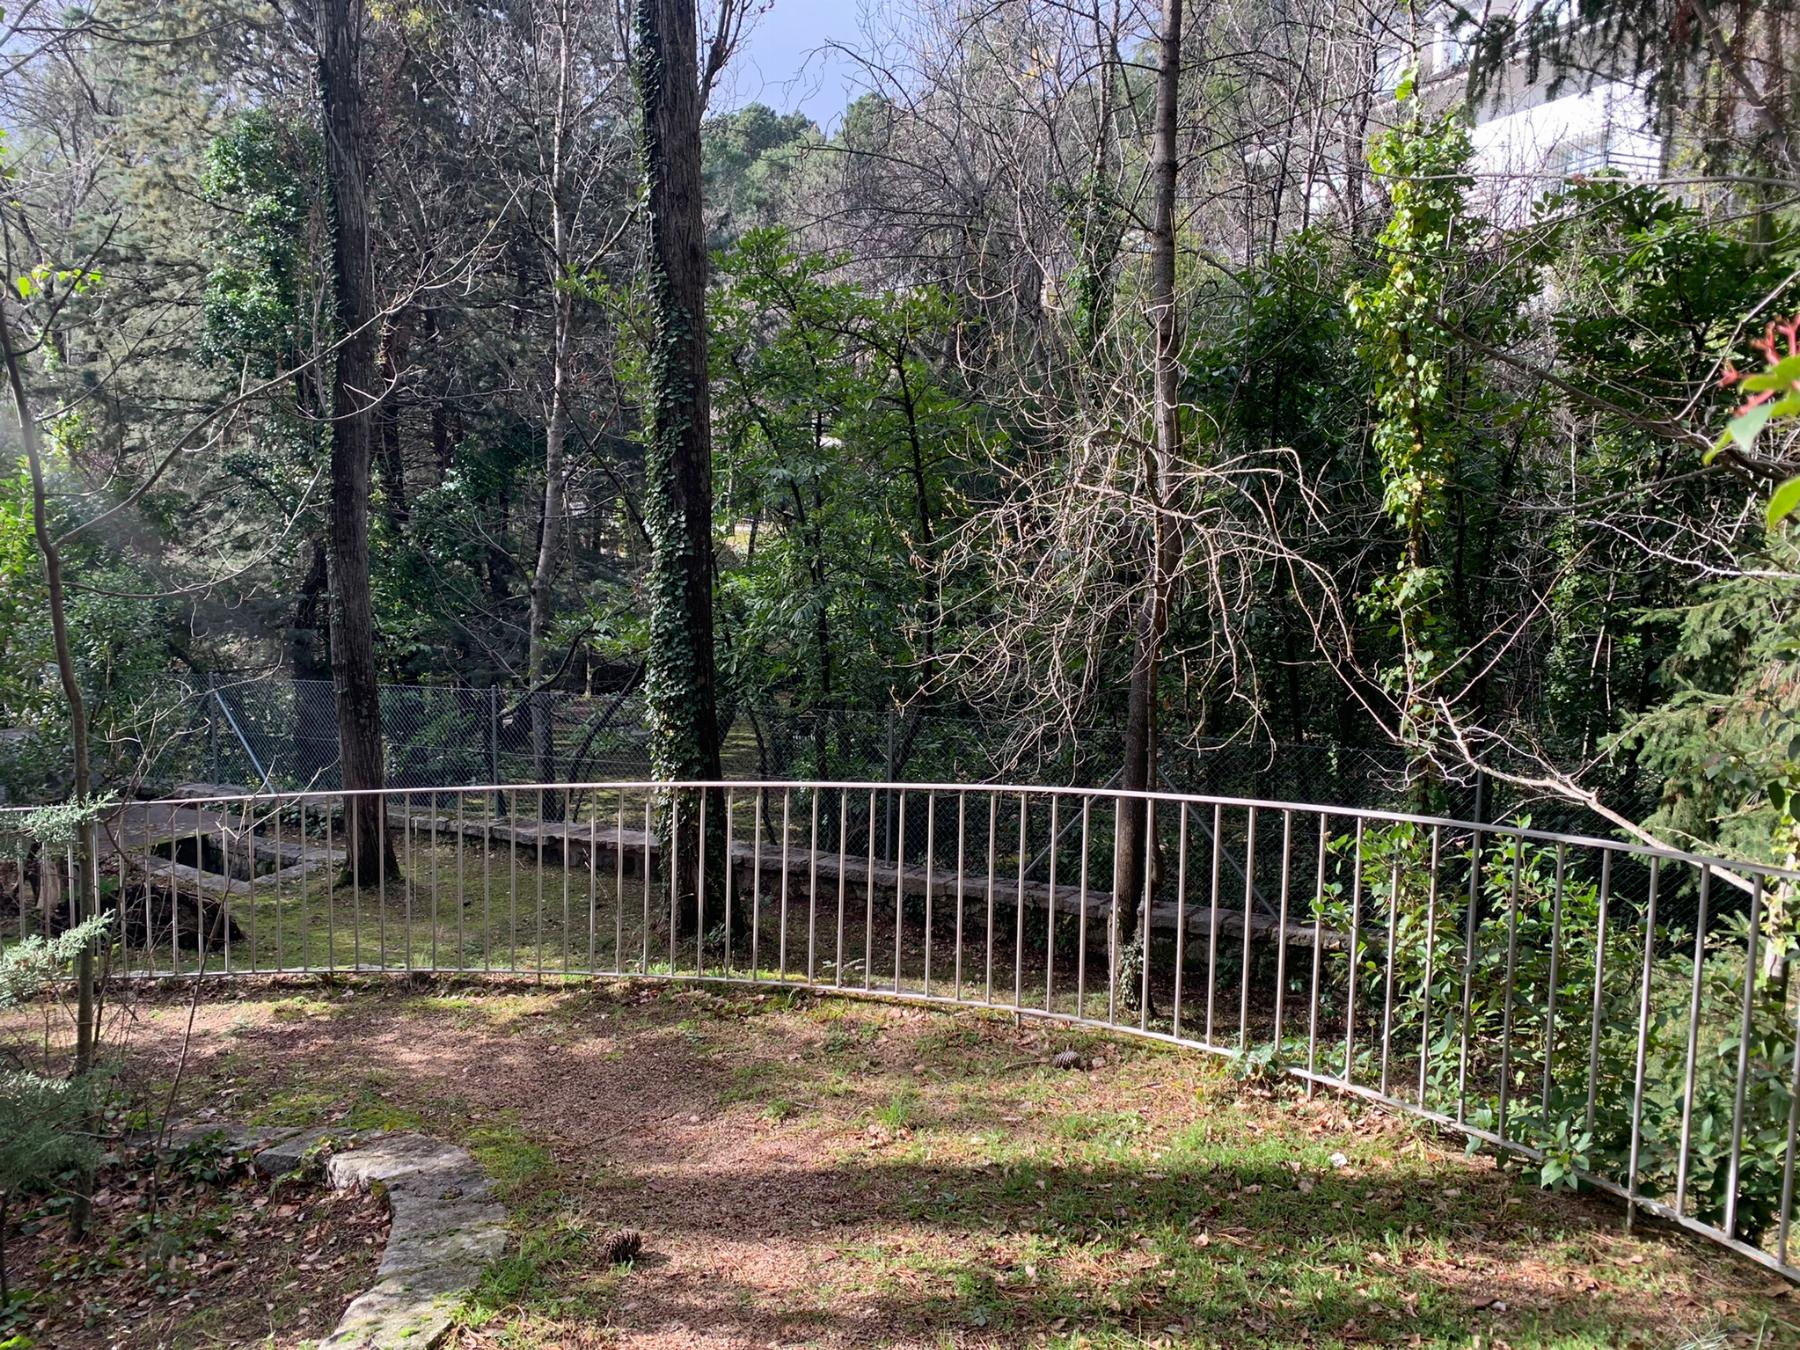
x=444, y=1226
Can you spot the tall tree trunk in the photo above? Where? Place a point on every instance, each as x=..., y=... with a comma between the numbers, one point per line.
x=680, y=691
x=358, y=695
x=1134, y=863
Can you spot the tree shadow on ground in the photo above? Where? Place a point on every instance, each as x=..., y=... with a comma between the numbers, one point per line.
x=1012, y=1205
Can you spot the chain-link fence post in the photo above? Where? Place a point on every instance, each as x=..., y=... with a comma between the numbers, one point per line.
x=493, y=700
x=212, y=726
x=888, y=777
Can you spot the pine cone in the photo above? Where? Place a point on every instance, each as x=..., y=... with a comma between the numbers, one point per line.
x=618, y=1248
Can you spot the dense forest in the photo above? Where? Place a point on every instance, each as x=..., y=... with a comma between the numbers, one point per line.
x=1134, y=390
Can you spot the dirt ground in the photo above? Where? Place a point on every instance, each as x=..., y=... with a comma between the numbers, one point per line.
x=810, y=1171
x=219, y=1257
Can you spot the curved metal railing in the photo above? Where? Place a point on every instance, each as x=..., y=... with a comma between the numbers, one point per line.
x=1618, y=1015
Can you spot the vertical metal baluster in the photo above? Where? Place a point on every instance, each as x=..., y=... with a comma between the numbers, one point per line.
x=1318, y=953
x=1387, y=983
x=353, y=824
x=869, y=903
x=786, y=867
x=812, y=890
x=330, y=897
x=700, y=892
x=1249, y=898
x=538, y=890
x=1212, y=926
x=1784, y=1222
x=993, y=842
x=843, y=880
x=1143, y=917
x=175, y=913
x=962, y=820
x=34, y=919
x=899, y=888
x=730, y=864
x=1082, y=911
x=1431, y=897
x=1693, y=1046
x=1643, y=1044
x=1181, y=855
x=462, y=890
x=1466, y=1006
x=300, y=885
x=1556, y=904
x=125, y=947
x=649, y=835
x=512, y=883
x=1512, y=965
x=1112, y=915
x=566, y=828
x=489, y=823
x=1593, y=1075
x=411, y=872
x=1355, y=956
x=124, y=856
x=759, y=809
x=243, y=828
x=674, y=856
x=930, y=877
x=299, y=899
x=618, y=961
x=1019, y=907
x=1050, y=910
x=1743, y=1057
x=149, y=859
x=435, y=913
x=1281, y=920
x=274, y=886
x=593, y=896
x=225, y=896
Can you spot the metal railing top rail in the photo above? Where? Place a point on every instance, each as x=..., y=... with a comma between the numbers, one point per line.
x=1492, y=829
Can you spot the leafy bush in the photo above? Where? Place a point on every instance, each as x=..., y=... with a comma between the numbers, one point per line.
x=43, y=1120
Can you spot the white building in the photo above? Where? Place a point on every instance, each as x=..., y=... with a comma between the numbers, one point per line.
x=1532, y=135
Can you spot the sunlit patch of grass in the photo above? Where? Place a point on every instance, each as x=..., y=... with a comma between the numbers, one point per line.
x=546, y=1282
x=902, y=1111
x=298, y=1009
x=517, y=1163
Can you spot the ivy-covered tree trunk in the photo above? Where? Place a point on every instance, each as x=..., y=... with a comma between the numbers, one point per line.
x=1134, y=860
x=354, y=377
x=680, y=685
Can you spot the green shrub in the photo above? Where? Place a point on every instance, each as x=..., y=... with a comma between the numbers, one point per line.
x=1483, y=1025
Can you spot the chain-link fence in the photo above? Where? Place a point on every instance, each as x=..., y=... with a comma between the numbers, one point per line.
x=282, y=734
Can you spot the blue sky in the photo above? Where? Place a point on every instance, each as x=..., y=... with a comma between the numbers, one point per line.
x=781, y=64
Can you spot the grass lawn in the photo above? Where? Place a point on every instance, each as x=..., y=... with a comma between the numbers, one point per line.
x=811, y=1171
